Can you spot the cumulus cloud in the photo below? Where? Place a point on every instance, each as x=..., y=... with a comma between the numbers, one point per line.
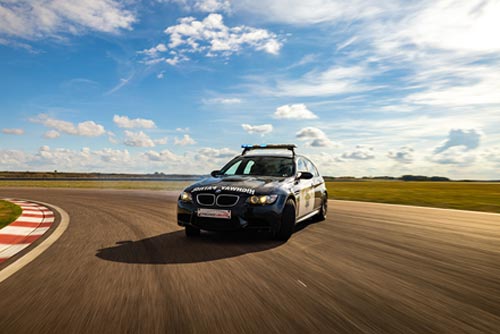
x=86, y=129
x=36, y=19
x=164, y=155
x=455, y=155
x=212, y=38
x=14, y=159
x=113, y=156
x=127, y=123
x=467, y=139
x=259, y=129
x=294, y=111
x=214, y=154
x=314, y=137
x=17, y=132
x=138, y=139
x=186, y=140
x=51, y=134
x=404, y=155
x=361, y=152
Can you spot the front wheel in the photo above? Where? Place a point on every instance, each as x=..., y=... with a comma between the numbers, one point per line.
x=192, y=231
x=287, y=225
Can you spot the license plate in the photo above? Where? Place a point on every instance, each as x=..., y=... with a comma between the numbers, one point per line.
x=214, y=213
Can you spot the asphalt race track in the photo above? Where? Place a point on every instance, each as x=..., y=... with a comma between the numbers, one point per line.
x=124, y=266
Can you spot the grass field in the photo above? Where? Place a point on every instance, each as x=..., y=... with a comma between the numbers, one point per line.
x=475, y=196
x=8, y=213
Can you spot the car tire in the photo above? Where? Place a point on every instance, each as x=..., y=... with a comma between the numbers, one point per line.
x=192, y=231
x=287, y=225
x=323, y=210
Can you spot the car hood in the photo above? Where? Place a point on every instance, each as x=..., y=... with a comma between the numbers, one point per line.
x=240, y=184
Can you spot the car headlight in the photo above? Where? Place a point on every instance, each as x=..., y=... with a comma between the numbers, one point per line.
x=263, y=199
x=186, y=197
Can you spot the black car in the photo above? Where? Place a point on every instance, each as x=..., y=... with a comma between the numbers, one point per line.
x=267, y=187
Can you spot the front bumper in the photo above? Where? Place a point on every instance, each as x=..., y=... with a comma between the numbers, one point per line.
x=243, y=216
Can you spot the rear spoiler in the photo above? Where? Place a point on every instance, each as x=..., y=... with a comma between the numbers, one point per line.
x=290, y=147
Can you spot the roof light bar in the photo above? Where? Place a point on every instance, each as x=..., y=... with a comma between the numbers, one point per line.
x=249, y=147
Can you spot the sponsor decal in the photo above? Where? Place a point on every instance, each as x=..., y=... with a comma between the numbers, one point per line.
x=244, y=190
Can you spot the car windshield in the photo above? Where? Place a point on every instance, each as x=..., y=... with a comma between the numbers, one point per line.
x=258, y=165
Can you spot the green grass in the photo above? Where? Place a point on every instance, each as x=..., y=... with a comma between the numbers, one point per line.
x=8, y=213
x=474, y=196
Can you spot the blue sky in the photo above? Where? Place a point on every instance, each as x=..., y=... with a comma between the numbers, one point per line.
x=177, y=85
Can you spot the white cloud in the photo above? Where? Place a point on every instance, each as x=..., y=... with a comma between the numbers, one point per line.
x=211, y=6
x=467, y=139
x=314, y=137
x=259, y=129
x=335, y=80
x=361, y=152
x=213, y=38
x=161, y=141
x=86, y=129
x=36, y=19
x=51, y=134
x=10, y=131
x=404, y=155
x=206, y=6
x=113, y=156
x=301, y=12
x=14, y=160
x=127, y=123
x=160, y=75
x=164, y=155
x=209, y=153
x=456, y=155
x=186, y=140
x=222, y=100
x=154, y=51
x=138, y=139
x=294, y=111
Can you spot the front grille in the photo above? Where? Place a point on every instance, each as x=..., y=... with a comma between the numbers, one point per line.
x=224, y=200
x=205, y=199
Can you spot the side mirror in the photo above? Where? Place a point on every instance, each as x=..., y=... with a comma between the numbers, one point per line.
x=305, y=176
x=214, y=173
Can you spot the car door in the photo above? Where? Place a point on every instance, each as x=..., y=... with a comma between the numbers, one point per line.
x=317, y=184
x=305, y=191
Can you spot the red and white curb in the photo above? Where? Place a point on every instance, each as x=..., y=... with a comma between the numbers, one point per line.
x=34, y=221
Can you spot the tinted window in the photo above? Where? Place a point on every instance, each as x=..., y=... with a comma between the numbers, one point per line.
x=233, y=168
x=310, y=168
x=265, y=166
x=301, y=165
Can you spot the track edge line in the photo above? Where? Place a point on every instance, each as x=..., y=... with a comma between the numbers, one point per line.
x=39, y=249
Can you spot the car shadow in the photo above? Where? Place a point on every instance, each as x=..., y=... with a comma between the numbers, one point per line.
x=175, y=248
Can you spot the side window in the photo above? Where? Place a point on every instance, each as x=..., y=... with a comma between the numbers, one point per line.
x=301, y=166
x=311, y=169
x=232, y=170
x=248, y=167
